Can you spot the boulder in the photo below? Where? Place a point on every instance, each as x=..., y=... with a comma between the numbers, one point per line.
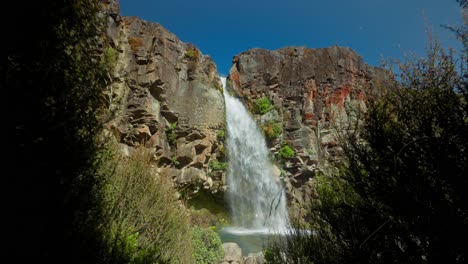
x=232, y=254
x=255, y=258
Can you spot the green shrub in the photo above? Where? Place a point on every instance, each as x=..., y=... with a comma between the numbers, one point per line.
x=217, y=165
x=192, y=53
x=110, y=56
x=286, y=152
x=142, y=218
x=222, y=150
x=221, y=134
x=218, y=86
x=207, y=246
x=171, y=135
x=272, y=130
x=262, y=105
x=174, y=161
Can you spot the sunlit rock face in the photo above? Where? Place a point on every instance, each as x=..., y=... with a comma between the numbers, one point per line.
x=166, y=96
x=314, y=94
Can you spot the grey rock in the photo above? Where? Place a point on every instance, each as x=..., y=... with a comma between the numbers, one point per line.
x=232, y=253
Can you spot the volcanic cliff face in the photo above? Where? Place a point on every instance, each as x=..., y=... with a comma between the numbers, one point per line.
x=314, y=93
x=167, y=97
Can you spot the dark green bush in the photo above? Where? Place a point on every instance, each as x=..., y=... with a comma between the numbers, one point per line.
x=217, y=165
x=286, y=152
x=262, y=105
x=207, y=246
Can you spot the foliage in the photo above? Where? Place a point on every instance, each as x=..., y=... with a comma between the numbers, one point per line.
x=110, y=57
x=202, y=217
x=286, y=152
x=174, y=161
x=218, y=86
x=410, y=170
x=171, y=135
x=207, y=246
x=272, y=130
x=221, y=135
x=262, y=105
x=338, y=206
x=143, y=220
x=192, y=53
x=217, y=165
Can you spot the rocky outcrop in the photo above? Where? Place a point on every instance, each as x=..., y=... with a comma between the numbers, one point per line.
x=232, y=254
x=314, y=93
x=166, y=95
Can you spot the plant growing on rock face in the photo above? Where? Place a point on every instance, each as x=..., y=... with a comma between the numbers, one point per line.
x=174, y=161
x=170, y=133
x=286, y=152
x=110, y=56
x=262, y=105
x=222, y=151
x=272, y=130
x=218, y=86
x=217, y=165
x=221, y=135
x=192, y=53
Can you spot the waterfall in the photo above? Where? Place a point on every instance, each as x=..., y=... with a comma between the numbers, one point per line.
x=256, y=198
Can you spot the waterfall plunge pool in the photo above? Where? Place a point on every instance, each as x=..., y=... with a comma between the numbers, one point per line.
x=249, y=240
x=254, y=240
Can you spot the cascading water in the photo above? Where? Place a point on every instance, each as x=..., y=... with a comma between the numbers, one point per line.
x=257, y=200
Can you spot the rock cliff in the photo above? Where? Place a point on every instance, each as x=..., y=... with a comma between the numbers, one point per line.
x=166, y=95
x=302, y=98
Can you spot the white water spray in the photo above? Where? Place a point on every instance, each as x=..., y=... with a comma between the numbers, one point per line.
x=257, y=200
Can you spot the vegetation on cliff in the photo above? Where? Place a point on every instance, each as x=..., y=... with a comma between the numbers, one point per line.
x=400, y=196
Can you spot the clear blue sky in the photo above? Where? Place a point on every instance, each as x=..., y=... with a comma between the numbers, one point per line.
x=373, y=28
